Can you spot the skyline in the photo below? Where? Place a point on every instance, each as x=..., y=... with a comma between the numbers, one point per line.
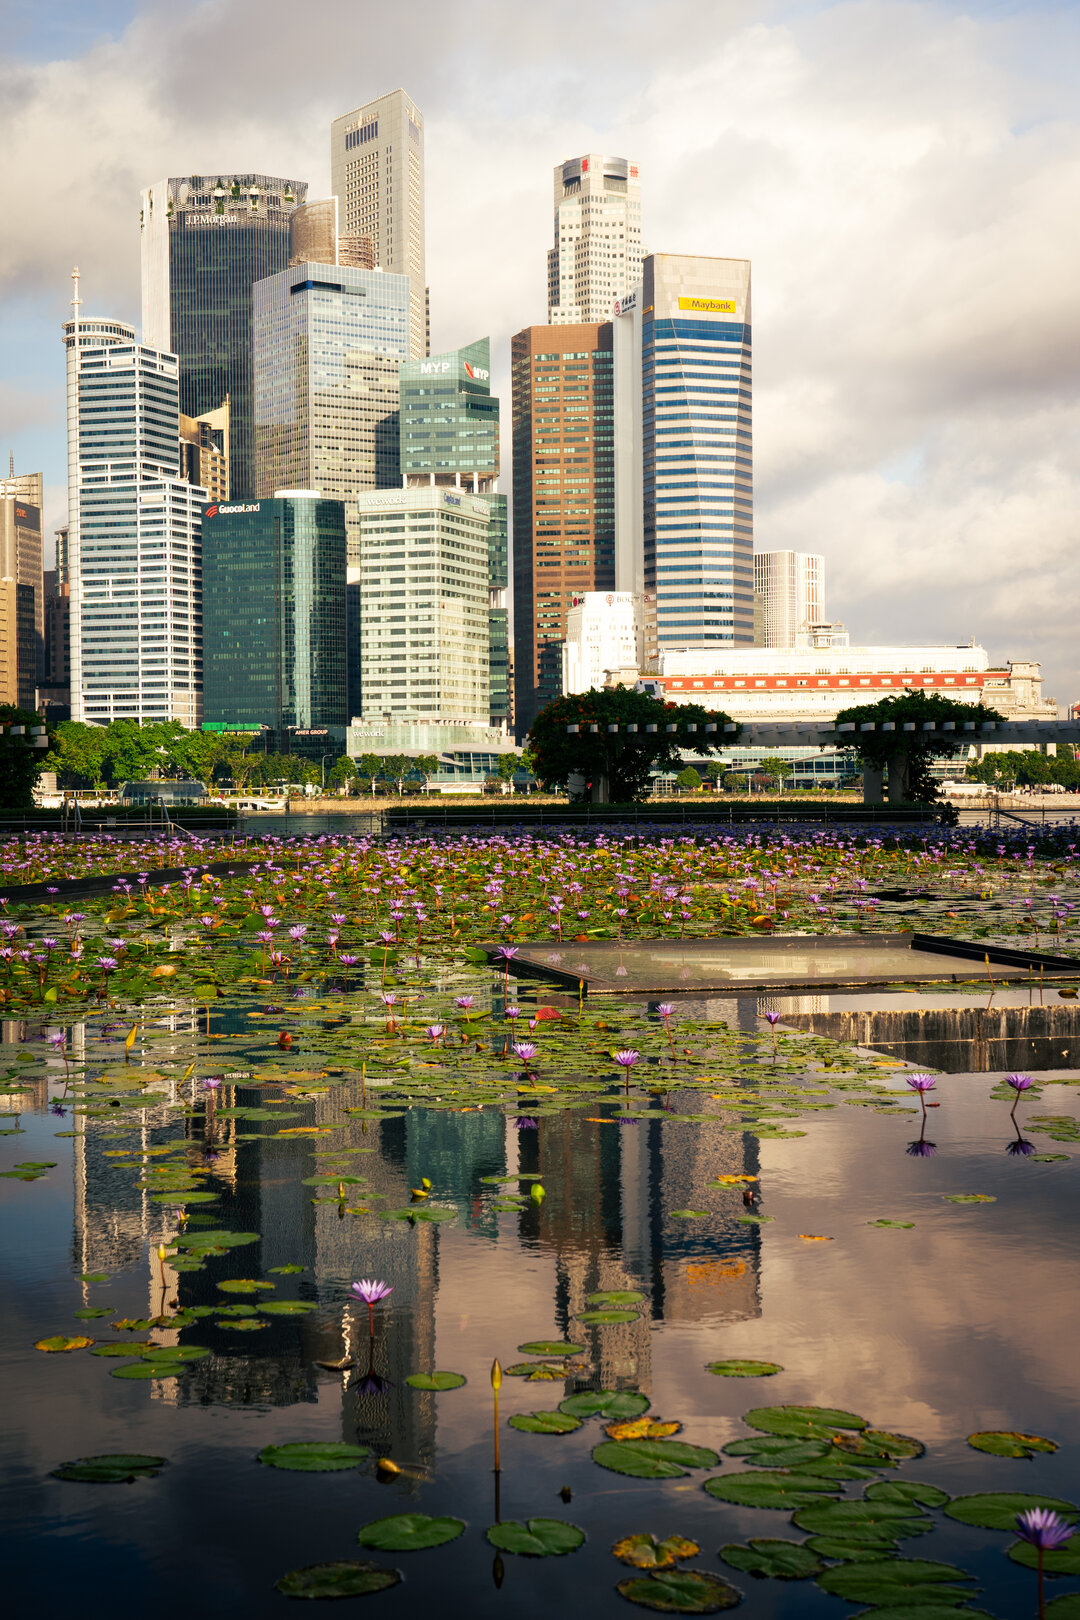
x=924, y=442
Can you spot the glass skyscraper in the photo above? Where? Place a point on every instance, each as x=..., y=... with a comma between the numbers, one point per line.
x=133, y=533
x=684, y=452
x=274, y=619
x=205, y=242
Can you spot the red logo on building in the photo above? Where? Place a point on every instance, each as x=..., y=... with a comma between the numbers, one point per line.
x=633, y=171
x=211, y=511
x=584, y=165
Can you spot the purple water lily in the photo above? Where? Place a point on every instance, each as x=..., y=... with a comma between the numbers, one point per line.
x=1046, y=1531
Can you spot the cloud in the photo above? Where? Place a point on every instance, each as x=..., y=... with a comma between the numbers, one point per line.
x=900, y=174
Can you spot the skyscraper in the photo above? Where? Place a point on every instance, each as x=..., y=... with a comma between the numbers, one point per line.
x=133, y=532
x=205, y=242
x=450, y=439
x=791, y=585
x=597, y=253
x=274, y=618
x=564, y=512
x=377, y=175
x=21, y=497
x=328, y=344
x=684, y=456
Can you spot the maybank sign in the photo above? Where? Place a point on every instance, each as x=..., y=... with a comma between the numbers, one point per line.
x=709, y=306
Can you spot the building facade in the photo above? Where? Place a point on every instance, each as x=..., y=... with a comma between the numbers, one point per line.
x=205, y=242
x=684, y=457
x=21, y=496
x=597, y=254
x=54, y=685
x=564, y=496
x=423, y=587
x=604, y=631
x=204, y=451
x=328, y=345
x=791, y=585
x=133, y=544
x=377, y=175
x=274, y=619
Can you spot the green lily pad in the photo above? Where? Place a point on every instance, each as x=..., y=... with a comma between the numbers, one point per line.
x=616, y=1296
x=118, y=1349
x=644, y=1551
x=115, y=1468
x=1064, y=1608
x=545, y=1422
x=287, y=1307
x=409, y=1532
x=93, y=1277
x=886, y=1522
x=61, y=1342
x=314, y=1456
x=88, y=1312
x=689, y=1214
x=652, y=1459
x=803, y=1422
x=777, y=1451
x=782, y=1560
x=969, y=1198
x=214, y=1239
x=906, y=1490
x=744, y=1369
x=550, y=1347
x=536, y=1538
x=680, y=1591
x=933, y=1607
x=590, y=1317
x=535, y=1371
x=772, y=1490
x=997, y=1510
x=900, y=1225
x=1009, y=1443
x=285, y=1271
x=880, y=1445
x=436, y=1380
x=834, y=1467
x=150, y=1369
x=419, y=1212
x=1064, y=1560
x=343, y=1579
x=617, y=1404
x=246, y=1324
x=1036, y=1158
x=848, y=1552
x=900, y=1581
x=243, y=1285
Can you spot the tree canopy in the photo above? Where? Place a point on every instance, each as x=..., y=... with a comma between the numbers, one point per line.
x=909, y=753
x=626, y=759
x=20, y=764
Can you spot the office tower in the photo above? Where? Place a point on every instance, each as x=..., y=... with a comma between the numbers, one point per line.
x=424, y=569
x=564, y=513
x=597, y=254
x=274, y=619
x=21, y=496
x=205, y=242
x=204, y=451
x=377, y=175
x=9, y=642
x=500, y=708
x=603, y=632
x=683, y=455
x=54, y=686
x=133, y=532
x=315, y=238
x=328, y=344
x=791, y=585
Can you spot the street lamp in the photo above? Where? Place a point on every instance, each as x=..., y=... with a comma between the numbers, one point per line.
x=322, y=767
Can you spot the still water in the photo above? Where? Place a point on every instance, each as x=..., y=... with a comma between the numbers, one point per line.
x=963, y=1321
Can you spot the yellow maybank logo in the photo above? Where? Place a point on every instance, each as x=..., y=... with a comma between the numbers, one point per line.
x=709, y=306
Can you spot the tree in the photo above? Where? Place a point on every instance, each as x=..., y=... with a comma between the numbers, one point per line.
x=343, y=773
x=715, y=771
x=199, y=754
x=426, y=765
x=397, y=767
x=907, y=754
x=777, y=770
x=531, y=764
x=507, y=767
x=20, y=763
x=78, y=755
x=622, y=760
x=689, y=780
x=370, y=766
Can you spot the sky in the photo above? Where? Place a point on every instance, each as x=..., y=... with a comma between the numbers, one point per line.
x=903, y=177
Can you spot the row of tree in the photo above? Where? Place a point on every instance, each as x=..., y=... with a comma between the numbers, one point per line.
x=1028, y=768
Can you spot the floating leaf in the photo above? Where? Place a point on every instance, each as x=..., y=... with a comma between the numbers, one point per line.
x=616, y=1296
x=1056, y=1561
x=590, y=1317
x=652, y=1459
x=774, y=1490
x=1009, y=1443
x=906, y=1490
x=642, y=1428
x=243, y=1285
x=645, y=1552
x=314, y=1456
x=618, y=1404
x=550, y=1347
x=115, y=1468
x=285, y=1271
x=60, y=1342
x=689, y=1214
x=88, y=1312
x=93, y=1277
x=900, y=1581
x=1064, y=1608
x=436, y=1380
x=343, y=1579
x=535, y=1371
x=864, y=1521
x=744, y=1369
x=536, y=1538
x=848, y=1552
x=415, y=1213
x=118, y=1348
x=545, y=1422
x=777, y=1451
x=680, y=1591
x=409, y=1532
x=803, y=1422
x=880, y=1445
x=969, y=1198
x=286, y=1307
x=997, y=1510
x=900, y=1225
x=782, y=1560
x=150, y=1369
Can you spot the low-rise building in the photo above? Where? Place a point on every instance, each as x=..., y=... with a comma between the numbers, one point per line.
x=604, y=631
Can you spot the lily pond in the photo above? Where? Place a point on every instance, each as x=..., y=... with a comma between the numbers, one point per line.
x=351, y=1256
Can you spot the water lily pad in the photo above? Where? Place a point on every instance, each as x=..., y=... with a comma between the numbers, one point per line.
x=93, y=1277
x=287, y=1307
x=642, y=1428
x=772, y=1490
x=803, y=1422
x=834, y=1467
x=1063, y=1560
x=409, y=1532
x=550, y=1347
x=738, y=1368
x=150, y=1369
x=343, y=1579
x=1064, y=1608
x=314, y=1456
x=904, y=1226
x=616, y=1296
x=285, y=1271
x=900, y=1581
x=416, y=1212
x=87, y=1313
x=782, y=1560
x=997, y=1510
x=848, y=1552
x=61, y=1342
x=863, y=1521
x=117, y=1348
x=536, y=1371
x=536, y=1538
x=906, y=1490
x=590, y=1317
x=436, y=1380
x=1009, y=1443
x=777, y=1451
x=618, y=1404
x=545, y=1422
x=115, y=1468
x=243, y=1285
x=680, y=1591
x=646, y=1552
x=969, y=1198
x=247, y=1324
x=880, y=1445
x=689, y=1214
x=652, y=1459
